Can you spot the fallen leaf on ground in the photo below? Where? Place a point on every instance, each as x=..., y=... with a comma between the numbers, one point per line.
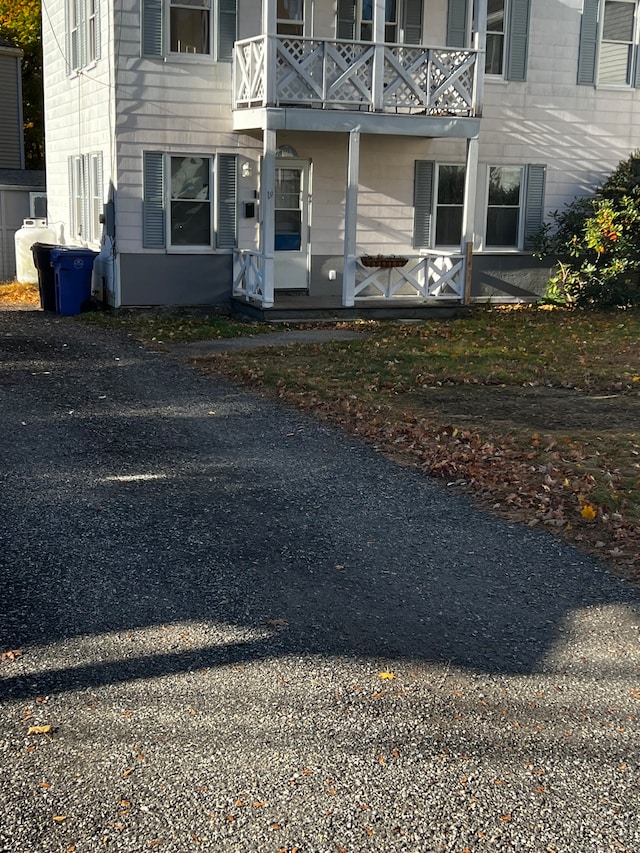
x=386, y=675
x=38, y=730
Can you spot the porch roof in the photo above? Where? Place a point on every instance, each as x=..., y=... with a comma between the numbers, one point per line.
x=343, y=121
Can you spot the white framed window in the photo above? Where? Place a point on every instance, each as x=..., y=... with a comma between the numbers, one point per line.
x=504, y=202
x=190, y=26
x=449, y=204
x=83, y=45
x=189, y=201
x=403, y=21
x=618, y=42
x=496, y=21
x=290, y=17
x=514, y=205
x=85, y=197
x=204, y=29
x=507, y=35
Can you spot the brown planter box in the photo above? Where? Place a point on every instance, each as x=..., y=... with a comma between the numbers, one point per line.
x=384, y=262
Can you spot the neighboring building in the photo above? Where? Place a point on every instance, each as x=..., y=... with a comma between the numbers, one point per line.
x=21, y=191
x=262, y=149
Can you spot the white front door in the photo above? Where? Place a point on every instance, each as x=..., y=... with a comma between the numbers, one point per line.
x=291, y=224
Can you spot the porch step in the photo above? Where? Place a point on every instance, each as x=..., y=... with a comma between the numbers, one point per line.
x=299, y=311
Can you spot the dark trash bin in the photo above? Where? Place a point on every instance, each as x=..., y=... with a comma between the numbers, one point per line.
x=72, y=268
x=46, y=277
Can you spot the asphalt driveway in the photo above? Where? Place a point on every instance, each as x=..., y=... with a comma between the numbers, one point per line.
x=225, y=626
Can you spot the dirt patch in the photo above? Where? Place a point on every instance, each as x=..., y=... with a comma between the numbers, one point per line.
x=543, y=410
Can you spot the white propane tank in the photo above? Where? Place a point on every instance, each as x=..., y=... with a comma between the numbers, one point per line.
x=32, y=231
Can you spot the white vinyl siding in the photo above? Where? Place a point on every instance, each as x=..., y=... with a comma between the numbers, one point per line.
x=201, y=28
x=189, y=202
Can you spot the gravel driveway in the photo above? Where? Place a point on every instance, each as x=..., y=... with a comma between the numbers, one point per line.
x=228, y=627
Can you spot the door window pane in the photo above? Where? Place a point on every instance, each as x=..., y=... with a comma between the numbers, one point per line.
x=290, y=17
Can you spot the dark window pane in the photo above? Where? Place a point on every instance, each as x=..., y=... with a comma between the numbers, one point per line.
x=448, y=226
x=190, y=223
x=190, y=177
x=189, y=30
x=618, y=21
x=495, y=16
x=495, y=50
x=504, y=185
x=451, y=185
x=502, y=226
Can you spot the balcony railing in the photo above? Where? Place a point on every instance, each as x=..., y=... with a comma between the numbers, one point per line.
x=327, y=74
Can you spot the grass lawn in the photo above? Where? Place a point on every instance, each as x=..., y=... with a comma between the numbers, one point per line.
x=534, y=412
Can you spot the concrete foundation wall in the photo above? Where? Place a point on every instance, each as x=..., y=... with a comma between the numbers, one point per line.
x=159, y=279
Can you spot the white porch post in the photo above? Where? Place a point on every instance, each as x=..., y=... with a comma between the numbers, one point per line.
x=480, y=45
x=351, y=220
x=379, y=13
x=269, y=27
x=468, y=214
x=268, y=215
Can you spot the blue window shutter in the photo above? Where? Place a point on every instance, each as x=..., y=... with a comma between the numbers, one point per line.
x=412, y=21
x=152, y=28
x=227, y=205
x=534, y=203
x=423, y=204
x=518, y=44
x=588, y=43
x=85, y=184
x=82, y=33
x=457, y=23
x=346, y=28
x=153, y=206
x=226, y=29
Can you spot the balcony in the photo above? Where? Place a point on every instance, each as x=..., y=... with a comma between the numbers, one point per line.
x=374, y=80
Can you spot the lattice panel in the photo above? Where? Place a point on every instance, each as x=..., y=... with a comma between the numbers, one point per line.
x=451, y=82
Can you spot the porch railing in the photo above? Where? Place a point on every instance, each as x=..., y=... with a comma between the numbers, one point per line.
x=431, y=276
x=248, y=276
x=331, y=74
x=427, y=277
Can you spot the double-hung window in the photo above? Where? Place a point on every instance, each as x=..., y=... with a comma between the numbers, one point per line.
x=290, y=20
x=82, y=33
x=199, y=28
x=86, y=197
x=514, y=205
x=189, y=201
x=507, y=35
x=403, y=21
x=609, y=42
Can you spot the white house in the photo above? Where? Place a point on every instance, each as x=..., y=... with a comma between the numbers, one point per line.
x=272, y=151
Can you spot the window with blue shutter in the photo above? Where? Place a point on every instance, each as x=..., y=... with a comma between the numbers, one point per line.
x=534, y=203
x=507, y=35
x=195, y=28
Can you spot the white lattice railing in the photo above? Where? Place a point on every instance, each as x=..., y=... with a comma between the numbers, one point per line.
x=342, y=74
x=248, y=280
x=432, y=276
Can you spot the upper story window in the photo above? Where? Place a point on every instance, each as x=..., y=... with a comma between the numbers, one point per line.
x=200, y=28
x=82, y=33
x=190, y=26
x=609, y=43
x=615, y=63
x=403, y=21
x=494, y=63
x=507, y=35
x=290, y=20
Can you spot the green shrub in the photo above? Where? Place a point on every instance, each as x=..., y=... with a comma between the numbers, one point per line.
x=596, y=244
